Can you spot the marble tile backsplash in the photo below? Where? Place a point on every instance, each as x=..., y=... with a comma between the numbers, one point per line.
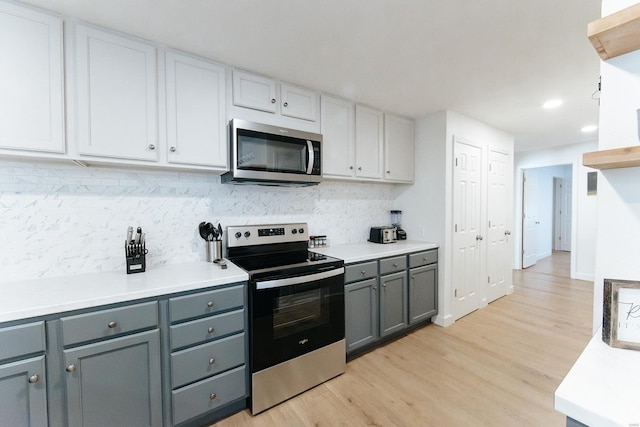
x=60, y=219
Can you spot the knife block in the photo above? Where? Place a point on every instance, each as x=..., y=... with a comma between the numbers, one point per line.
x=136, y=256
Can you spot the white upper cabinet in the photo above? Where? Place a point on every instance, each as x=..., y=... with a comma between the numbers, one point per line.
x=261, y=99
x=116, y=95
x=298, y=102
x=369, y=143
x=195, y=111
x=252, y=91
x=338, y=137
x=398, y=149
x=31, y=80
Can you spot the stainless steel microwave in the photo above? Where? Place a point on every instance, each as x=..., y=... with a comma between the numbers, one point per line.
x=271, y=155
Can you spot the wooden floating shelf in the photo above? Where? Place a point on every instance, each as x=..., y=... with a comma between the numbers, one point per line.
x=627, y=157
x=616, y=34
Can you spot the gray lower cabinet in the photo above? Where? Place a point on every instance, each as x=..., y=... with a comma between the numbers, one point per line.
x=116, y=382
x=393, y=303
x=423, y=293
x=23, y=393
x=385, y=297
x=208, y=355
x=361, y=313
x=23, y=389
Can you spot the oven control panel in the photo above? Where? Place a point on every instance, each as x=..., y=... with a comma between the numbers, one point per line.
x=264, y=234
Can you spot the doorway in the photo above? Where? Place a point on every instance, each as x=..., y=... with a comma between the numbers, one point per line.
x=546, y=212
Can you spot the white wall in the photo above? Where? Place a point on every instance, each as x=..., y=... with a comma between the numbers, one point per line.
x=428, y=203
x=584, y=207
x=618, y=223
x=58, y=219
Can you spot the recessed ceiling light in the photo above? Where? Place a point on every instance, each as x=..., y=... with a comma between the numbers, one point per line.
x=552, y=103
x=589, y=128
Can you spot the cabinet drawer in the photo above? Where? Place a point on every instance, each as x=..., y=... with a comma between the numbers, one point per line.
x=209, y=394
x=190, y=306
x=22, y=339
x=208, y=359
x=393, y=265
x=423, y=258
x=360, y=271
x=206, y=329
x=108, y=323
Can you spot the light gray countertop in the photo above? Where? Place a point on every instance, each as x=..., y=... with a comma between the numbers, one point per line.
x=41, y=297
x=357, y=252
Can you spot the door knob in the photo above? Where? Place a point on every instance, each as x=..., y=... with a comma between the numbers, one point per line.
x=71, y=368
x=34, y=379
x=507, y=233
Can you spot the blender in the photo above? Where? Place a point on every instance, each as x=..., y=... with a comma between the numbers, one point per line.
x=396, y=217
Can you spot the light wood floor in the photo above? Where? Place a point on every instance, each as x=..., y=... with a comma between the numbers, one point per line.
x=498, y=366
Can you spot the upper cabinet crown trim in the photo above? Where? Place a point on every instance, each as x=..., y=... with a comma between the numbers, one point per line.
x=616, y=34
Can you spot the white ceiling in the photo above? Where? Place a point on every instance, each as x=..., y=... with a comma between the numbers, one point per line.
x=493, y=60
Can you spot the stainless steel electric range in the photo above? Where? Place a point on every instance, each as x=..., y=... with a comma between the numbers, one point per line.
x=296, y=311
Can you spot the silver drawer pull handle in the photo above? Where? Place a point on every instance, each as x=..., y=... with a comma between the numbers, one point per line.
x=395, y=265
x=210, y=330
x=363, y=272
x=213, y=396
x=71, y=368
x=210, y=304
x=152, y=147
x=34, y=379
x=424, y=259
x=413, y=277
x=212, y=361
x=112, y=325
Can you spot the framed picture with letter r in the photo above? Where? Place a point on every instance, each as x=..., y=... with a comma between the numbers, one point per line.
x=621, y=314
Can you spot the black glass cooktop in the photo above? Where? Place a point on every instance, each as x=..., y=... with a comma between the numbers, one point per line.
x=285, y=263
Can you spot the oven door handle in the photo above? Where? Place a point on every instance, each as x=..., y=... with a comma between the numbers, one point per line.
x=298, y=280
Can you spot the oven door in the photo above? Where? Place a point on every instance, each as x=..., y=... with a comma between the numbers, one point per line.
x=291, y=316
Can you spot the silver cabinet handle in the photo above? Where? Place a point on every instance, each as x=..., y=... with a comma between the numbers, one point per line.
x=286, y=104
x=71, y=368
x=413, y=277
x=395, y=265
x=172, y=149
x=212, y=361
x=152, y=147
x=351, y=167
x=384, y=285
x=112, y=325
x=359, y=168
x=33, y=379
x=363, y=272
x=212, y=396
x=375, y=288
x=210, y=304
x=507, y=233
x=388, y=171
x=273, y=100
x=210, y=330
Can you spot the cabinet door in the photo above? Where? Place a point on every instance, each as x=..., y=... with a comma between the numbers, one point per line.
x=423, y=293
x=369, y=143
x=398, y=149
x=393, y=303
x=116, y=95
x=337, y=121
x=31, y=80
x=115, y=382
x=196, y=128
x=298, y=102
x=23, y=395
x=252, y=91
x=361, y=313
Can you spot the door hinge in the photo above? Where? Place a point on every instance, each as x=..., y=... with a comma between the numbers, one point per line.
x=455, y=293
x=524, y=215
x=523, y=252
x=559, y=237
x=456, y=228
x=488, y=279
x=456, y=161
x=489, y=167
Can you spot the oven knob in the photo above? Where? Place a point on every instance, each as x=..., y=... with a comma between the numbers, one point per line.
x=238, y=235
x=247, y=234
x=301, y=231
x=294, y=231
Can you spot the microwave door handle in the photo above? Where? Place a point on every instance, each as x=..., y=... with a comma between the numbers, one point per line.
x=310, y=157
x=298, y=280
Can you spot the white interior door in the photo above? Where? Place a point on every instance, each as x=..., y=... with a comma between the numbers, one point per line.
x=467, y=219
x=566, y=193
x=530, y=217
x=498, y=232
